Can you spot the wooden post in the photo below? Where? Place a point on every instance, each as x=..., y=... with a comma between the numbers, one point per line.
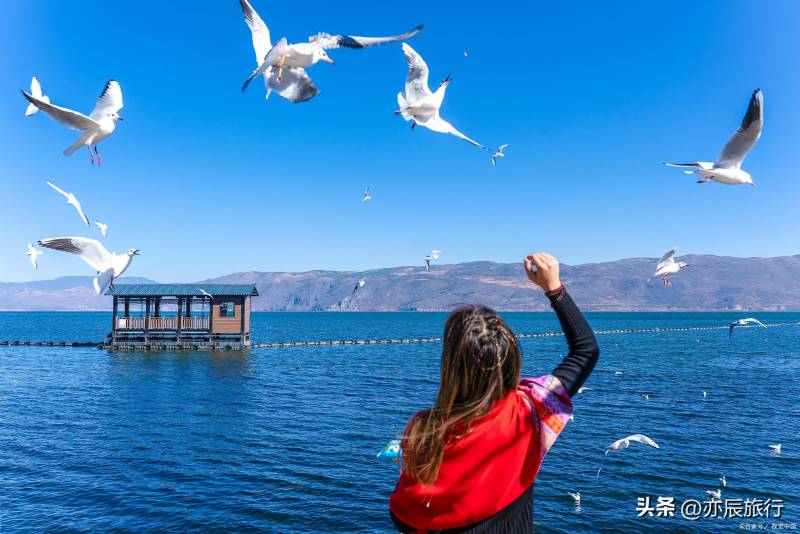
x=178, y=332
x=210, y=320
x=114, y=321
x=157, y=311
x=146, y=318
x=188, y=306
x=127, y=307
x=241, y=329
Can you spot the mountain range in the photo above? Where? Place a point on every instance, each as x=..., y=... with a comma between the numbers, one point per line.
x=709, y=283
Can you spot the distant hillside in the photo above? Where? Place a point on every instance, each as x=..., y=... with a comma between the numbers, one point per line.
x=710, y=283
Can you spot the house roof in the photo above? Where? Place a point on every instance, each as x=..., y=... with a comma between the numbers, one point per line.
x=182, y=290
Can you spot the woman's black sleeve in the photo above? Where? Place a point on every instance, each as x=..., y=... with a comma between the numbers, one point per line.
x=583, y=349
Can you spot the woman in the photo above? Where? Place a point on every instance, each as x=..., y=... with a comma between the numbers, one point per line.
x=471, y=459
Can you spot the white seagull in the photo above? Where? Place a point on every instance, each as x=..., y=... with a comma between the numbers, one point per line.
x=365, y=197
x=34, y=253
x=96, y=127
x=728, y=167
x=744, y=322
x=36, y=91
x=576, y=496
x=624, y=443
x=667, y=266
x=776, y=448
x=108, y=265
x=705, y=394
x=359, y=284
x=498, y=153
x=583, y=388
x=646, y=396
x=618, y=373
x=103, y=227
x=715, y=494
x=723, y=481
x=419, y=105
x=434, y=255
x=206, y=293
x=283, y=65
x=72, y=200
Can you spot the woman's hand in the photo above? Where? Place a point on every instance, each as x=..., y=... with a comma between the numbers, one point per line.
x=542, y=270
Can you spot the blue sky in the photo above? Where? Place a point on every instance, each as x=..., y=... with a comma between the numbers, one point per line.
x=591, y=96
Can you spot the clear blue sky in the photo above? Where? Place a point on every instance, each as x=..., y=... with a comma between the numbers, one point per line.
x=591, y=96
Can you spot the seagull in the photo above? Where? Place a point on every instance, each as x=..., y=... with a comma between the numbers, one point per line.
x=576, y=496
x=498, y=153
x=667, y=266
x=72, y=200
x=705, y=394
x=36, y=91
x=419, y=104
x=434, y=255
x=108, y=265
x=583, y=388
x=205, y=293
x=619, y=373
x=624, y=443
x=728, y=167
x=365, y=196
x=103, y=227
x=96, y=127
x=359, y=284
x=776, y=448
x=646, y=396
x=744, y=322
x=723, y=481
x=715, y=494
x=283, y=65
x=34, y=253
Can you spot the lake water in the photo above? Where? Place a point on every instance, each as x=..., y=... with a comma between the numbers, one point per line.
x=284, y=440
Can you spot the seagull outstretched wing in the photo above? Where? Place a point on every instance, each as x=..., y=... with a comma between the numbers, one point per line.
x=667, y=258
x=90, y=250
x=109, y=101
x=417, y=79
x=746, y=135
x=69, y=118
x=328, y=41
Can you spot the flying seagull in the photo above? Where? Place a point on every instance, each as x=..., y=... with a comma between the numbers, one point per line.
x=624, y=443
x=498, y=153
x=728, y=167
x=583, y=388
x=667, y=266
x=72, y=200
x=434, y=255
x=283, y=65
x=715, y=494
x=108, y=265
x=36, y=91
x=206, y=293
x=365, y=197
x=103, y=227
x=96, y=127
x=419, y=105
x=34, y=253
x=744, y=322
x=359, y=284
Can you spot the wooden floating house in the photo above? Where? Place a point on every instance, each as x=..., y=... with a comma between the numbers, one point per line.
x=180, y=316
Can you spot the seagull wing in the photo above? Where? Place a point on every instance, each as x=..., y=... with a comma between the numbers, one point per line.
x=54, y=186
x=258, y=30
x=71, y=119
x=328, y=41
x=730, y=330
x=667, y=258
x=295, y=86
x=746, y=135
x=438, y=124
x=90, y=250
x=753, y=320
x=109, y=101
x=79, y=209
x=417, y=80
x=641, y=438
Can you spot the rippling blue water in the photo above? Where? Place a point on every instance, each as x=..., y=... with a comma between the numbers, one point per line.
x=284, y=440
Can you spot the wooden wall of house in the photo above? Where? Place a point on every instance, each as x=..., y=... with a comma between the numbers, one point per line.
x=228, y=325
x=247, y=314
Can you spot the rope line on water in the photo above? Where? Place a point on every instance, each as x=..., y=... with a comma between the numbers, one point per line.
x=398, y=341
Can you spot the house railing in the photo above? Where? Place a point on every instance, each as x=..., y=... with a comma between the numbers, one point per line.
x=162, y=323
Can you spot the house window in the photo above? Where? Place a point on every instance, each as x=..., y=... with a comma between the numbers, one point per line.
x=227, y=309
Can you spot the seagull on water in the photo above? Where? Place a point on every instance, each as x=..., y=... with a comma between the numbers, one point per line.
x=205, y=293
x=744, y=322
x=498, y=153
x=728, y=167
x=715, y=494
x=36, y=91
x=646, y=396
x=359, y=284
x=34, y=253
x=705, y=394
x=72, y=200
x=723, y=481
x=667, y=266
x=365, y=196
x=421, y=106
x=283, y=65
x=776, y=448
x=618, y=373
x=103, y=227
x=434, y=255
x=96, y=127
x=576, y=496
x=108, y=265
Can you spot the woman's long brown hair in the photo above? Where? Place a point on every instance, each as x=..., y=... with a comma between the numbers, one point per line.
x=480, y=365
